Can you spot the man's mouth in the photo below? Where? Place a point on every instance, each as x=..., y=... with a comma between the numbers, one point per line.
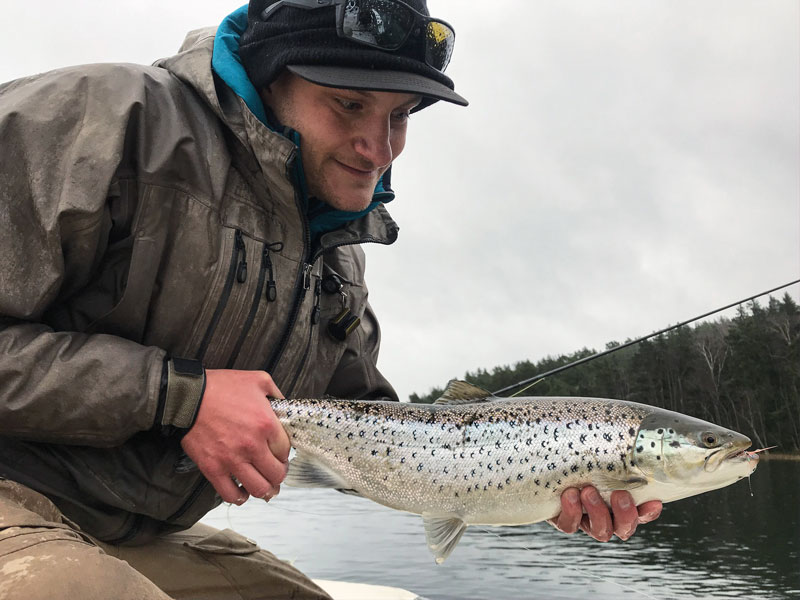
x=356, y=171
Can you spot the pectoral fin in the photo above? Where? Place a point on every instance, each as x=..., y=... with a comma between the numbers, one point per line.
x=443, y=534
x=308, y=471
x=606, y=483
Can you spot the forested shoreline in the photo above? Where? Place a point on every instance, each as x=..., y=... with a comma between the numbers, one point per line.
x=742, y=373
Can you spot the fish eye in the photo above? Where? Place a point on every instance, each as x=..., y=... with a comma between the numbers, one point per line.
x=709, y=439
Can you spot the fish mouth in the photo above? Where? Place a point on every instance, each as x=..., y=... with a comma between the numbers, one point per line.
x=723, y=455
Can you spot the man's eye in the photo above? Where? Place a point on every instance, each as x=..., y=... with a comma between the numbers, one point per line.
x=401, y=116
x=348, y=105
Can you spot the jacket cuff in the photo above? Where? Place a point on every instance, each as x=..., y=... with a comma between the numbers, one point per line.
x=181, y=392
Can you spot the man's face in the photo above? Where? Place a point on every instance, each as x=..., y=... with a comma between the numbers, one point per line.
x=349, y=138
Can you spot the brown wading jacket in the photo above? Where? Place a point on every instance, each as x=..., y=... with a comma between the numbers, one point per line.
x=131, y=199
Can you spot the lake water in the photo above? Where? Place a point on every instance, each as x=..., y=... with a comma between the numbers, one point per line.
x=724, y=544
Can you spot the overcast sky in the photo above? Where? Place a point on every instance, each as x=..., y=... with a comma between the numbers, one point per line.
x=623, y=165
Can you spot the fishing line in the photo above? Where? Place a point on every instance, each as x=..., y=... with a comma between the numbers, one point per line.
x=589, y=573
x=527, y=387
x=535, y=379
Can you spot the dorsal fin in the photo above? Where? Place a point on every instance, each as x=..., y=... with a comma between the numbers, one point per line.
x=461, y=392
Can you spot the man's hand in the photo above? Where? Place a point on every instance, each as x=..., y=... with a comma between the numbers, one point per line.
x=237, y=434
x=585, y=509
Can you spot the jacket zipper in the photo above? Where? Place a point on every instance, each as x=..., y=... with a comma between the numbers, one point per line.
x=237, y=270
x=266, y=272
x=198, y=489
x=133, y=530
x=301, y=285
x=315, y=312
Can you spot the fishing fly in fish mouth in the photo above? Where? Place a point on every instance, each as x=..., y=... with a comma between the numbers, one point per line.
x=472, y=458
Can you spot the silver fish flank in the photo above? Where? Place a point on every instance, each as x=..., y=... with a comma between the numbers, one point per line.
x=472, y=458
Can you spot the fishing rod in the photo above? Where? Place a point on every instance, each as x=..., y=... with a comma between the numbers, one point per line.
x=538, y=378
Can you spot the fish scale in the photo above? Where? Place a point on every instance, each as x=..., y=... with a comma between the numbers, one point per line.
x=472, y=458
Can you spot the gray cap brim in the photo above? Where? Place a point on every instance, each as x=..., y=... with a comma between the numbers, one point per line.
x=377, y=81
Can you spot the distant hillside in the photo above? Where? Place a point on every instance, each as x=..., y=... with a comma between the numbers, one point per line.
x=742, y=373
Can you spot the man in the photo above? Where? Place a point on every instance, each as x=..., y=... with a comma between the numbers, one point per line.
x=180, y=242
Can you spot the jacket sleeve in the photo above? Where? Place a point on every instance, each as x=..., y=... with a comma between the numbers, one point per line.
x=63, y=138
x=357, y=375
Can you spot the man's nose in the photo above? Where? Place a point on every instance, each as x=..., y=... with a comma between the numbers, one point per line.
x=373, y=142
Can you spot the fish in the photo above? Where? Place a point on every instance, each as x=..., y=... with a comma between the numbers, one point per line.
x=472, y=458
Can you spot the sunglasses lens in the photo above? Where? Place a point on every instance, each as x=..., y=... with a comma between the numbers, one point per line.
x=439, y=43
x=381, y=23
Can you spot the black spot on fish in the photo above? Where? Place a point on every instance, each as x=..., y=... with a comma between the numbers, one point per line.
x=610, y=467
x=639, y=448
x=658, y=458
x=419, y=467
x=403, y=460
x=675, y=444
x=631, y=431
x=413, y=455
x=350, y=436
x=574, y=468
x=652, y=444
x=337, y=436
x=349, y=459
x=374, y=452
x=660, y=431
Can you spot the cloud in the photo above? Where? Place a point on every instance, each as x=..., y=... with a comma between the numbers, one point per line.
x=623, y=165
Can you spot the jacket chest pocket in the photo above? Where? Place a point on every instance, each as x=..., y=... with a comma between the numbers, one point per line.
x=243, y=297
x=339, y=304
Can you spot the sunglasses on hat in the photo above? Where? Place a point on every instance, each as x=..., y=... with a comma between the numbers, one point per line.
x=383, y=24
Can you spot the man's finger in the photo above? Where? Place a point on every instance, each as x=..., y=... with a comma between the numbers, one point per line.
x=571, y=512
x=277, y=439
x=650, y=511
x=272, y=469
x=599, y=517
x=626, y=516
x=227, y=489
x=253, y=482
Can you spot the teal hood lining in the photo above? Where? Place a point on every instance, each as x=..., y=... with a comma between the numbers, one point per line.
x=228, y=66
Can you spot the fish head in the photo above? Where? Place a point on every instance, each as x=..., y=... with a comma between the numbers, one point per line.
x=675, y=449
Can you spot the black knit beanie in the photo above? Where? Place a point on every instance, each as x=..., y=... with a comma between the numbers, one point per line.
x=306, y=42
